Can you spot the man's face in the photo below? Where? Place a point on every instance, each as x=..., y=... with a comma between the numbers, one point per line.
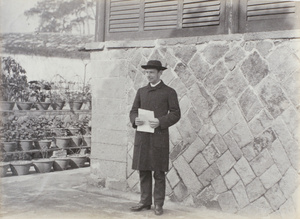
x=153, y=75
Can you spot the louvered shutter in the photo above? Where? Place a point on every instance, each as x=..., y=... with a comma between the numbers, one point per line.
x=268, y=15
x=200, y=13
x=150, y=19
x=123, y=15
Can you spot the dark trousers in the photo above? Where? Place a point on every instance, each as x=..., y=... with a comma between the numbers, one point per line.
x=146, y=187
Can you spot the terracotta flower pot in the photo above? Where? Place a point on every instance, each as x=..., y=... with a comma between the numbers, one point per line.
x=76, y=141
x=26, y=145
x=77, y=161
x=75, y=105
x=43, y=144
x=24, y=105
x=42, y=105
x=10, y=146
x=60, y=163
x=43, y=165
x=20, y=167
x=58, y=105
x=7, y=105
x=3, y=168
x=87, y=139
x=63, y=142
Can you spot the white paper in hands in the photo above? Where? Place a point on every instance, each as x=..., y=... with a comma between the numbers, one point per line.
x=145, y=115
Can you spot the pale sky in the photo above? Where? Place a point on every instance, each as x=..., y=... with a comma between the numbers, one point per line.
x=12, y=18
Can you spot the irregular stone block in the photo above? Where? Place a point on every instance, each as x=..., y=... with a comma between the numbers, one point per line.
x=180, y=88
x=262, y=162
x=201, y=100
x=194, y=120
x=242, y=134
x=275, y=197
x=186, y=131
x=232, y=146
x=133, y=179
x=219, y=185
x=233, y=57
x=207, y=131
x=221, y=94
x=187, y=175
x=215, y=76
x=214, y=51
x=185, y=104
x=254, y=68
x=279, y=156
x=205, y=196
x=196, y=147
x=180, y=191
x=273, y=97
x=185, y=74
x=292, y=119
x=219, y=113
x=225, y=162
x=265, y=140
x=293, y=152
x=199, y=66
x=210, y=153
x=248, y=152
x=244, y=170
x=199, y=164
x=250, y=104
x=185, y=53
x=292, y=86
x=283, y=62
x=240, y=194
x=287, y=210
x=227, y=202
x=207, y=176
x=289, y=182
x=236, y=82
x=264, y=47
x=255, y=189
x=173, y=177
x=231, y=178
x=259, y=208
x=262, y=121
x=270, y=177
x=282, y=132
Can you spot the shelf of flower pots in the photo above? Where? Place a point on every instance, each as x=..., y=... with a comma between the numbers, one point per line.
x=48, y=150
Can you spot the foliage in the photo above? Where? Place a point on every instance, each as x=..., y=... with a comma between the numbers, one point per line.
x=83, y=125
x=9, y=128
x=13, y=80
x=40, y=90
x=63, y=15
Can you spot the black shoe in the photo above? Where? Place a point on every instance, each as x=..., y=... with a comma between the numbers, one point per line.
x=140, y=207
x=158, y=210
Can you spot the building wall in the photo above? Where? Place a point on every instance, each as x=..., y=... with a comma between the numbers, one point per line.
x=236, y=147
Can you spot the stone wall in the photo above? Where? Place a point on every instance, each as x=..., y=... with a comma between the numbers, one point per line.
x=236, y=147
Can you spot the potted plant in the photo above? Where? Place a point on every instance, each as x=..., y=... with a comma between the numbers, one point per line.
x=77, y=160
x=8, y=130
x=61, y=161
x=57, y=100
x=12, y=75
x=41, y=90
x=26, y=132
x=43, y=133
x=4, y=166
x=21, y=164
x=62, y=139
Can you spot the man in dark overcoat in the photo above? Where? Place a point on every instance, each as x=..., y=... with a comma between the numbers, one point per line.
x=151, y=150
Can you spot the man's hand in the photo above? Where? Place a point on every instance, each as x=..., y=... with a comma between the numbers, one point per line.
x=138, y=121
x=154, y=123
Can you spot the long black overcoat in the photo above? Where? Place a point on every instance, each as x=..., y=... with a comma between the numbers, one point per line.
x=151, y=150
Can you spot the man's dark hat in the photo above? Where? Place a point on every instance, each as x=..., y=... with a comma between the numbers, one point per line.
x=154, y=64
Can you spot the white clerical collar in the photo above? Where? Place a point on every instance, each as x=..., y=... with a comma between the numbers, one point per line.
x=153, y=85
